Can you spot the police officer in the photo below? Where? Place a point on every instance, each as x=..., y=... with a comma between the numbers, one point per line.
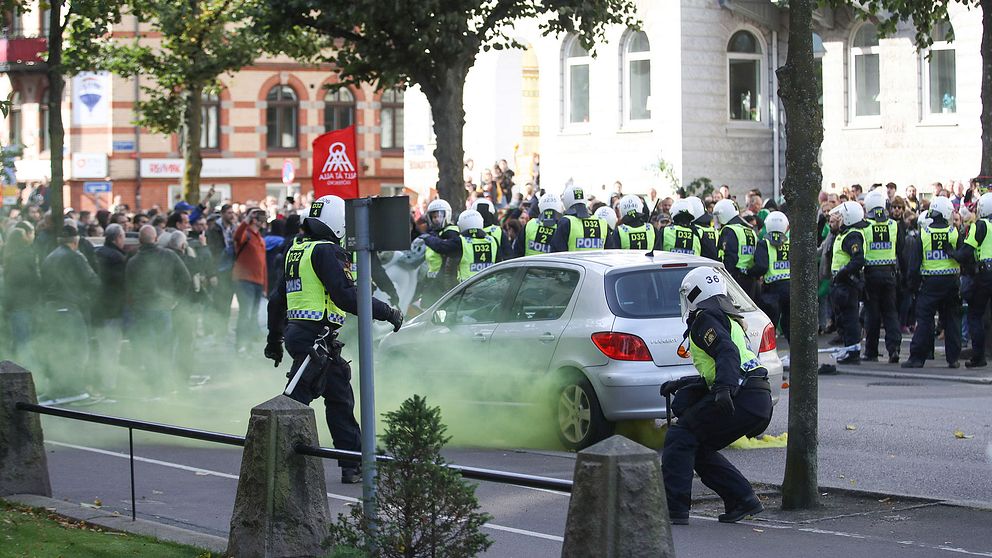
x=771, y=263
x=846, y=264
x=882, y=249
x=632, y=233
x=736, y=244
x=934, y=269
x=732, y=399
x=491, y=226
x=704, y=223
x=578, y=231
x=609, y=215
x=441, y=273
x=977, y=251
x=473, y=249
x=539, y=230
x=315, y=292
x=681, y=237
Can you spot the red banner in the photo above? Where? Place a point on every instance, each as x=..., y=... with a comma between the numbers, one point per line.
x=334, y=164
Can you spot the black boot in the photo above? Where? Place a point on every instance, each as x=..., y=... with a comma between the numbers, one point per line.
x=911, y=363
x=852, y=357
x=894, y=358
x=972, y=363
x=742, y=510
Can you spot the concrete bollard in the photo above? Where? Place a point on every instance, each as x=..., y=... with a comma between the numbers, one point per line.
x=618, y=506
x=23, y=466
x=281, y=506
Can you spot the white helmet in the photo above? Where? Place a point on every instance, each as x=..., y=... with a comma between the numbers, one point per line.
x=470, y=219
x=696, y=207
x=943, y=207
x=550, y=202
x=985, y=205
x=630, y=204
x=924, y=220
x=725, y=210
x=875, y=199
x=850, y=213
x=776, y=222
x=702, y=283
x=573, y=195
x=484, y=201
x=441, y=206
x=329, y=210
x=607, y=214
x=681, y=206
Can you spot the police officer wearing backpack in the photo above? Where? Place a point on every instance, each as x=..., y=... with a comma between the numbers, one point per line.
x=441, y=273
x=883, y=246
x=737, y=242
x=313, y=297
x=540, y=229
x=771, y=263
x=933, y=268
x=578, y=231
x=730, y=398
x=632, y=233
x=846, y=264
x=472, y=249
x=977, y=251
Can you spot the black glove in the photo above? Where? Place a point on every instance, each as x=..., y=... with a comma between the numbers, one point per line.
x=273, y=350
x=395, y=318
x=723, y=400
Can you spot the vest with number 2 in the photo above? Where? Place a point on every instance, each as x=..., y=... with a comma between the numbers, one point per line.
x=306, y=297
x=937, y=243
x=778, y=262
x=477, y=255
x=588, y=233
x=538, y=235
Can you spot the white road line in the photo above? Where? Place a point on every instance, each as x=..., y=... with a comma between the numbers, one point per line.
x=208, y=472
x=905, y=543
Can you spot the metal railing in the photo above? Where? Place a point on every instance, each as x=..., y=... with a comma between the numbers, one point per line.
x=475, y=473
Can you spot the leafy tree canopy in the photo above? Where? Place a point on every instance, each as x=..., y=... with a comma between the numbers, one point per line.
x=887, y=14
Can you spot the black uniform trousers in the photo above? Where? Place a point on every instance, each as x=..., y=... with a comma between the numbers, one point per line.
x=937, y=293
x=881, y=308
x=748, y=284
x=845, y=296
x=339, y=399
x=978, y=297
x=694, y=443
x=774, y=301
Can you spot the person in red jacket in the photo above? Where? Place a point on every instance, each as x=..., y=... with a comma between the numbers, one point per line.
x=250, y=276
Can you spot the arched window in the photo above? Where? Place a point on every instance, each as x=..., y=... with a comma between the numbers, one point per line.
x=339, y=109
x=282, y=126
x=939, y=72
x=864, y=72
x=391, y=115
x=210, y=125
x=14, y=120
x=744, y=71
x=637, y=76
x=43, y=135
x=576, y=77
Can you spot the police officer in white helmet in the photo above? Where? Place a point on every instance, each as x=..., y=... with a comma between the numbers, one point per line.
x=472, y=250
x=632, y=233
x=977, y=251
x=846, y=265
x=577, y=230
x=306, y=308
x=772, y=267
x=540, y=229
x=736, y=244
x=883, y=250
x=441, y=271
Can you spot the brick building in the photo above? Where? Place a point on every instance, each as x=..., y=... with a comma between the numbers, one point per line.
x=265, y=114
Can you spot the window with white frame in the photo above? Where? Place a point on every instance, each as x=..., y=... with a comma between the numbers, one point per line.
x=637, y=76
x=391, y=115
x=865, y=88
x=339, y=109
x=210, y=121
x=281, y=124
x=939, y=72
x=14, y=120
x=744, y=71
x=576, y=74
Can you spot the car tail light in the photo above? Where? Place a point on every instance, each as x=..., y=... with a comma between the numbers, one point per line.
x=768, y=339
x=621, y=346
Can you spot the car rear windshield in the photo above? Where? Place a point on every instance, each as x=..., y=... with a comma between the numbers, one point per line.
x=654, y=293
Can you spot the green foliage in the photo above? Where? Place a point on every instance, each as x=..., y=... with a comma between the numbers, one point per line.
x=887, y=14
x=346, y=552
x=667, y=170
x=700, y=187
x=424, y=509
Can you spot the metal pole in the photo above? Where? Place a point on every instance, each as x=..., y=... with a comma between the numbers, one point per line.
x=130, y=453
x=365, y=371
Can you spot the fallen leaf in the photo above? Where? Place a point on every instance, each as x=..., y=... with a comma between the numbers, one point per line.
x=758, y=530
x=883, y=500
x=962, y=436
x=97, y=502
x=850, y=427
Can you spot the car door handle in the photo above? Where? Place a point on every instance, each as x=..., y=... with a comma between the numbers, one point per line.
x=546, y=338
x=480, y=337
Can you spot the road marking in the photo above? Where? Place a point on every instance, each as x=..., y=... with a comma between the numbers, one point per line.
x=208, y=472
x=905, y=543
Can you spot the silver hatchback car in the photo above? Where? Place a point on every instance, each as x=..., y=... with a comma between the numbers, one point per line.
x=592, y=334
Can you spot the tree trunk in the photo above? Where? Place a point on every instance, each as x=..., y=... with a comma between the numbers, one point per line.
x=986, y=164
x=448, y=110
x=56, y=132
x=190, y=130
x=803, y=179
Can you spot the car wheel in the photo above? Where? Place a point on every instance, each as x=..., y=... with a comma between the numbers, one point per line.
x=580, y=421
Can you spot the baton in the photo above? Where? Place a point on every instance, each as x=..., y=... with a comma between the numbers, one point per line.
x=321, y=340
x=668, y=409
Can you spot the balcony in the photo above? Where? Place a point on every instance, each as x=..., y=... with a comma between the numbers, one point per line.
x=22, y=53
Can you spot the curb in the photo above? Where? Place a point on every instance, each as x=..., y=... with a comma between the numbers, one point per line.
x=861, y=493
x=107, y=520
x=851, y=371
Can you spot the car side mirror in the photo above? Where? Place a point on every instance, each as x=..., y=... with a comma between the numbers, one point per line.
x=439, y=316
